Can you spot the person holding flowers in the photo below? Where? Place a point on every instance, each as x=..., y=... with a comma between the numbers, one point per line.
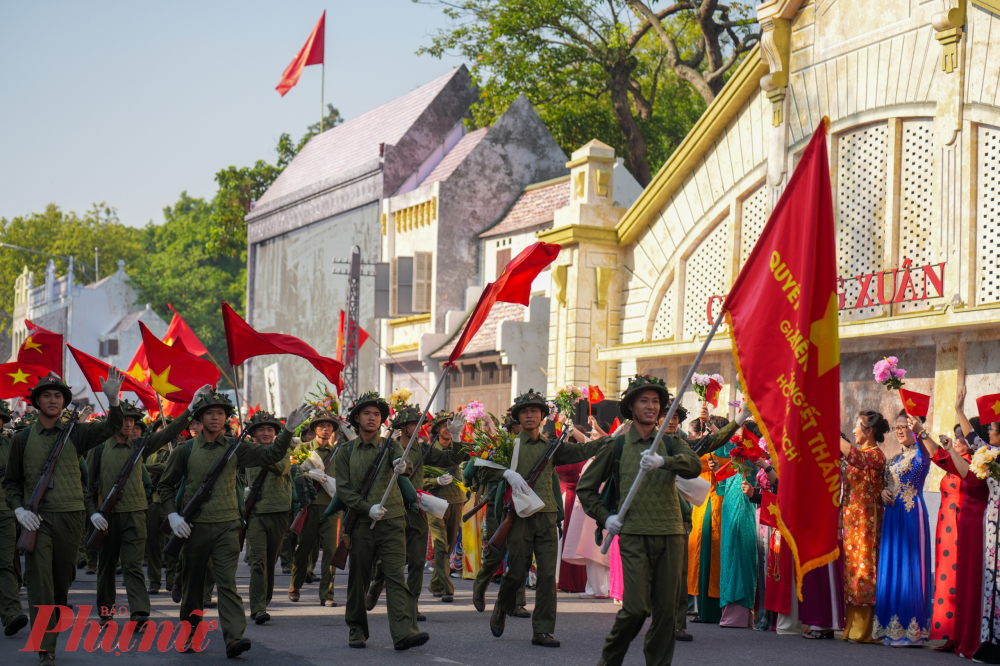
x=405, y=421
x=533, y=536
x=651, y=536
x=444, y=531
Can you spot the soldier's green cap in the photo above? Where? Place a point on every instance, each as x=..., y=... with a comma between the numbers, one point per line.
x=407, y=414
x=530, y=398
x=132, y=409
x=214, y=399
x=49, y=382
x=262, y=418
x=439, y=418
x=5, y=415
x=369, y=399
x=324, y=417
x=641, y=383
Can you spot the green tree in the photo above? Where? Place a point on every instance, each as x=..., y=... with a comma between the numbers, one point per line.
x=599, y=68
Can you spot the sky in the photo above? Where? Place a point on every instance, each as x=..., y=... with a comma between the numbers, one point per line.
x=132, y=103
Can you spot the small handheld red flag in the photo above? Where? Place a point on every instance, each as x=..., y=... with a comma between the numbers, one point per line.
x=727, y=470
x=594, y=394
x=176, y=373
x=42, y=348
x=768, y=509
x=614, y=426
x=513, y=286
x=712, y=392
x=915, y=404
x=17, y=379
x=989, y=408
x=95, y=371
x=311, y=53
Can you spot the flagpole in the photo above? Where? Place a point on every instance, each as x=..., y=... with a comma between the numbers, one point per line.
x=623, y=509
x=416, y=431
x=322, y=95
x=100, y=403
x=163, y=419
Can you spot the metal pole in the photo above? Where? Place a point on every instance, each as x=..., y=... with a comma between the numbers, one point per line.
x=322, y=94
x=623, y=509
x=409, y=445
x=163, y=419
x=350, y=375
x=97, y=266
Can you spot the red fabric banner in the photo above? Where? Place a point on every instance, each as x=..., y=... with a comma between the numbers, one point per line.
x=95, y=371
x=244, y=342
x=311, y=53
x=989, y=408
x=179, y=330
x=794, y=386
x=513, y=286
x=174, y=372
x=17, y=379
x=43, y=348
x=915, y=404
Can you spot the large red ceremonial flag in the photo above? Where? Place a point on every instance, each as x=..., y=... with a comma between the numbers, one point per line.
x=43, y=348
x=174, y=372
x=17, y=379
x=95, y=371
x=782, y=314
x=513, y=286
x=311, y=53
x=244, y=342
x=138, y=367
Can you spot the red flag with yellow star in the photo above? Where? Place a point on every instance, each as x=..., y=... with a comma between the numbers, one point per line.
x=17, y=379
x=178, y=332
x=989, y=408
x=789, y=360
x=174, y=372
x=915, y=404
x=95, y=371
x=42, y=347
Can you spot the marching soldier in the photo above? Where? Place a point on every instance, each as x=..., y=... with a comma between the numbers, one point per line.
x=536, y=535
x=317, y=530
x=387, y=541
x=266, y=526
x=444, y=531
x=125, y=528
x=50, y=569
x=155, y=463
x=11, y=612
x=416, y=523
x=651, y=535
x=211, y=536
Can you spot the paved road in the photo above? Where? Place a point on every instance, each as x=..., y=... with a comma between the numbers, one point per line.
x=306, y=634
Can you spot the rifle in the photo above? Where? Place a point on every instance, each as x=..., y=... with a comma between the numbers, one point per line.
x=300, y=518
x=201, y=495
x=499, y=539
x=351, y=518
x=46, y=480
x=117, y=490
x=255, y=489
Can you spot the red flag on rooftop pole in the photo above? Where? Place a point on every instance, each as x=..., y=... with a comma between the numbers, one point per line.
x=43, y=348
x=244, y=342
x=95, y=371
x=513, y=286
x=311, y=53
x=794, y=386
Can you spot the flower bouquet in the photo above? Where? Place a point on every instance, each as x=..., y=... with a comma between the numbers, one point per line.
x=889, y=374
x=984, y=463
x=324, y=399
x=567, y=397
x=702, y=382
x=299, y=456
x=489, y=445
x=399, y=398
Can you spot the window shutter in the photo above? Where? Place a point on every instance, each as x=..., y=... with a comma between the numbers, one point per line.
x=422, y=282
x=113, y=347
x=393, y=288
x=503, y=258
x=100, y=348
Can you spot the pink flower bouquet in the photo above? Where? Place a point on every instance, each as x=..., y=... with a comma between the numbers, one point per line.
x=889, y=374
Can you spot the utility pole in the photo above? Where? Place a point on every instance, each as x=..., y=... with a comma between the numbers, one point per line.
x=352, y=325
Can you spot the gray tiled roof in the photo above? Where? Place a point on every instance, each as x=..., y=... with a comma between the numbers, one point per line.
x=485, y=339
x=127, y=322
x=455, y=156
x=534, y=209
x=356, y=141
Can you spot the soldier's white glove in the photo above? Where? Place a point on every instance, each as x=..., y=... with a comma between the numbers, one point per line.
x=613, y=524
x=399, y=465
x=650, y=461
x=298, y=417
x=317, y=475
x=456, y=426
x=179, y=526
x=516, y=481
x=744, y=414
x=445, y=479
x=112, y=386
x=99, y=522
x=246, y=492
x=201, y=393
x=28, y=520
x=376, y=512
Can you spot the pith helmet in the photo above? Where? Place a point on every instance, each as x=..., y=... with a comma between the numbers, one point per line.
x=439, y=418
x=262, y=418
x=529, y=398
x=641, y=383
x=407, y=414
x=213, y=399
x=132, y=409
x=369, y=399
x=324, y=417
x=49, y=382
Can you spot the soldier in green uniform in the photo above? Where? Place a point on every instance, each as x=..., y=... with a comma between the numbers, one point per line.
x=493, y=558
x=535, y=536
x=416, y=523
x=387, y=540
x=173, y=564
x=125, y=528
x=211, y=536
x=155, y=463
x=50, y=569
x=444, y=531
x=11, y=612
x=267, y=525
x=316, y=529
x=651, y=535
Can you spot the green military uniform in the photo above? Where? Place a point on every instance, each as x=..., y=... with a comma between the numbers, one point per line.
x=51, y=569
x=653, y=537
x=386, y=542
x=492, y=558
x=155, y=463
x=535, y=536
x=416, y=523
x=11, y=613
x=267, y=525
x=214, y=530
x=125, y=540
x=317, y=531
x=444, y=531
